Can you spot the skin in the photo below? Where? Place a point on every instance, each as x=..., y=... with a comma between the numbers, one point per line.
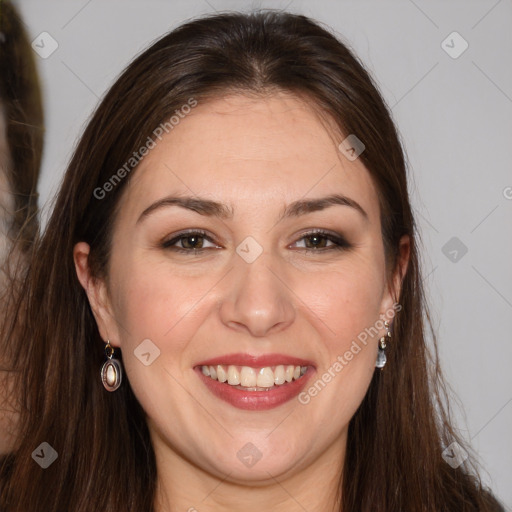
x=256, y=156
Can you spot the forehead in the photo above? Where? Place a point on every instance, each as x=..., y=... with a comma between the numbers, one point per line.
x=246, y=151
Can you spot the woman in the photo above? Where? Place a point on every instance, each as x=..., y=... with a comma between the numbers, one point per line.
x=209, y=319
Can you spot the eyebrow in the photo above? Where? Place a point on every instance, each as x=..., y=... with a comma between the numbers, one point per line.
x=212, y=208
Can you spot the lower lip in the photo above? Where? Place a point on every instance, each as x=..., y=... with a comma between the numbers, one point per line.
x=256, y=400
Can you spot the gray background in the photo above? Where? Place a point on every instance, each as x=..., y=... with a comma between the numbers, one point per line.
x=455, y=117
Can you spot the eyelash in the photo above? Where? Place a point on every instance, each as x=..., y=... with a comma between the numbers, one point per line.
x=338, y=242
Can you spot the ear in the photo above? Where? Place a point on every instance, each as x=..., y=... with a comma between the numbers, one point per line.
x=394, y=288
x=97, y=293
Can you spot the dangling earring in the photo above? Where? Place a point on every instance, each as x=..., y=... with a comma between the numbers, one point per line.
x=381, y=355
x=111, y=371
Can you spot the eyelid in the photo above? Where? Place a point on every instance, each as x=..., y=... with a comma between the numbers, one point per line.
x=168, y=242
x=318, y=231
x=338, y=240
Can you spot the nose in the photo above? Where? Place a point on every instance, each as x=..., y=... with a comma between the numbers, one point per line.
x=256, y=298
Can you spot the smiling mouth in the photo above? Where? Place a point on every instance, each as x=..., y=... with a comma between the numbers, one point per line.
x=248, y=378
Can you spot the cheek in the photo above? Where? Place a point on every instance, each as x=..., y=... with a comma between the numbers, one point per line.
x=345, y=308
x=347, y=301
x=157, y=304
x=158, y=314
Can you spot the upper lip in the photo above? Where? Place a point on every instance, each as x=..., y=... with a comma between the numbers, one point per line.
x=254, y=361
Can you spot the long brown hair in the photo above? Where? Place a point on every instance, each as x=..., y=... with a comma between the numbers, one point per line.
x=105, y=458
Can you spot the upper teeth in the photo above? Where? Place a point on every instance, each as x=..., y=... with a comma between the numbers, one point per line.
x=254, y=377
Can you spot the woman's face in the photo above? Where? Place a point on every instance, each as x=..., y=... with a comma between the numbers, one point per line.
x=248, y=291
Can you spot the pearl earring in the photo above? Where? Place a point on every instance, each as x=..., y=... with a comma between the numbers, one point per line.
x=111, y=371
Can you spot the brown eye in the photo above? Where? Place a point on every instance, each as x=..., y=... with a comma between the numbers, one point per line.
x=190, y=241
x=315, y=241
x=322, y=241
